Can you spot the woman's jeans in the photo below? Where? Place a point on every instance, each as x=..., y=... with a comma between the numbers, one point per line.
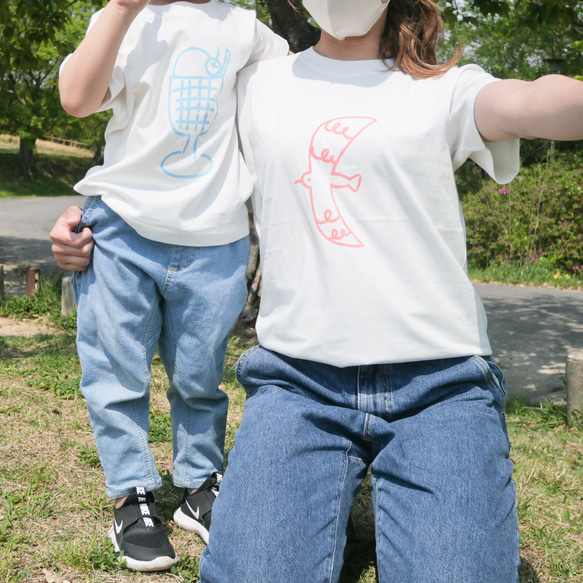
x=137, y=295
x=434, y=436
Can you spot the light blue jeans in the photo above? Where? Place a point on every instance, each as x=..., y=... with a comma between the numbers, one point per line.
x=433, y=434
x=138, y=294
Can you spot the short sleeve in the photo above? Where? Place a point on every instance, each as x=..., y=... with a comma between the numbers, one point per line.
x=267, y=44
x=501, y=160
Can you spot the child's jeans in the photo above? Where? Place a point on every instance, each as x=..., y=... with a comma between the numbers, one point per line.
x=434, y=436
x=138, y=294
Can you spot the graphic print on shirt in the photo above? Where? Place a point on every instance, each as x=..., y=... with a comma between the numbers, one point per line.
x=327, y=147
x=195, y=83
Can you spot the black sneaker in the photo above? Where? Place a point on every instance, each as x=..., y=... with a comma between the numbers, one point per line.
x=138, y=535
x=196, y=509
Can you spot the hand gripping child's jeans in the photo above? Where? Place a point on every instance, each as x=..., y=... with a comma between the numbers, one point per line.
x=138, y=294
x=434, y=436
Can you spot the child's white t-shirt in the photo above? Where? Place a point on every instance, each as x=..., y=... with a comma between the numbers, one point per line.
x=172, y=167
x=363, y=248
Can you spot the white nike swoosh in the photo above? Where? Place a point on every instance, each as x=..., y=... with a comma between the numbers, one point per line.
x=118, y=527
x=195, y=514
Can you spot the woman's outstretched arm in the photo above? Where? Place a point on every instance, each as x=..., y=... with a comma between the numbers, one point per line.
x=550, y=107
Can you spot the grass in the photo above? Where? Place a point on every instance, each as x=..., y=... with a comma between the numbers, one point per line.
x=548, y=472
x=60, y=168
x=53, y=512
x=54, y=515
x=45, y=302
x=536, y=274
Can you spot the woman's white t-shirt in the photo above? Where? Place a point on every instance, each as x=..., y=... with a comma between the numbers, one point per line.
x=363, y=247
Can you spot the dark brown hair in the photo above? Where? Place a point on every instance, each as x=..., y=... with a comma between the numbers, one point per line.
x=412, y=35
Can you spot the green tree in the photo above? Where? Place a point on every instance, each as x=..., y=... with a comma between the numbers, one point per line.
x=287, y=18
x=520, y=38
x=34, y=35
x=89, y=130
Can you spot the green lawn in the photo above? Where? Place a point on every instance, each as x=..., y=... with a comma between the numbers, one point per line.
x=54, y=515
x=58, y=170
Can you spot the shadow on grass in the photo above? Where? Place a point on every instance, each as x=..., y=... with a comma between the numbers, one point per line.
x=360, y=555
x=40, y=345
x=527, y=572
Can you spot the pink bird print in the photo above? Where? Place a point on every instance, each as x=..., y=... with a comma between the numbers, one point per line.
x=327, y=147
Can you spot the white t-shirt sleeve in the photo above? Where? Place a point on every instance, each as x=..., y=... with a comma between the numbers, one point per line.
x=267, y=44
x=501, y=160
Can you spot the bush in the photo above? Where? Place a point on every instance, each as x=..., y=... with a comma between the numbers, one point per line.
x=536, y=218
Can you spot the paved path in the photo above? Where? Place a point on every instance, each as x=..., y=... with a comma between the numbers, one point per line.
x=25, y=226
x=531, y=329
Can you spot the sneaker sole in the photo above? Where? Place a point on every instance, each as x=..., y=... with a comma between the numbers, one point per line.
x=157, y=564
x=187, y=523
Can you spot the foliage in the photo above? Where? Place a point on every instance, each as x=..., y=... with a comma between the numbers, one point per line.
x=89, y=456
x=187, y=568
x=523, y=39
x=89, y=130
x=259, y=6
x=534, y=13
x=537, y=218
x=34, y=36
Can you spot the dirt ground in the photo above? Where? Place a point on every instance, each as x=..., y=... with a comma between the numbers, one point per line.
x=27, y=328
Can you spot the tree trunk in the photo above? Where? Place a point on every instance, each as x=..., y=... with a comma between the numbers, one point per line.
x=98, y=155
x=246, y=322
x=26, y=155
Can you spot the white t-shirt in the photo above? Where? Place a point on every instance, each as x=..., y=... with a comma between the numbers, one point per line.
x=363, y=246
x=172, y=167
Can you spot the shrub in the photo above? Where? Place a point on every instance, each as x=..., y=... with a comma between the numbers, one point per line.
x=537, y=217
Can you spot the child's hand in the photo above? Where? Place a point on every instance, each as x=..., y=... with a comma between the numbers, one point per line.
x=72, y=250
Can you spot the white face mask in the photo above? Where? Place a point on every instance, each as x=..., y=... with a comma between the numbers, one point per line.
x=342, y=18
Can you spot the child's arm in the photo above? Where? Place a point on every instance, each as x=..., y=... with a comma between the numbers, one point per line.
x=550, y=107
x=85, y=77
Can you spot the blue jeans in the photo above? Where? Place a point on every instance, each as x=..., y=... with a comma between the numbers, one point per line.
x=434, y=436
x=138, y=294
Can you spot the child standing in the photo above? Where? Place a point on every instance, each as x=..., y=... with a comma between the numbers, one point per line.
x=168, y=216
